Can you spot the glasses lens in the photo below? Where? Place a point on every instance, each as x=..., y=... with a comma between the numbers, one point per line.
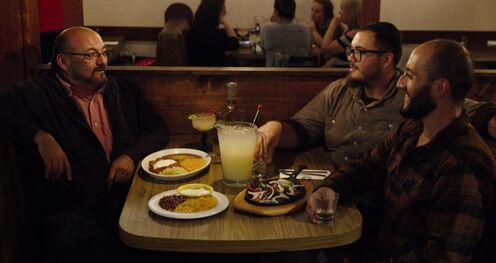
x=357, y=55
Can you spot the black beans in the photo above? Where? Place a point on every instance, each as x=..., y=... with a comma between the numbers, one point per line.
x=170, y=202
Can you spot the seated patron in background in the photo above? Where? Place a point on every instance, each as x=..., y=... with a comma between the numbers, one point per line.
x=284, y=35
x=79, y=135
x=321, y=16
x=350, y=14
x=207, y=43
x=435, y=173
x=171, y=41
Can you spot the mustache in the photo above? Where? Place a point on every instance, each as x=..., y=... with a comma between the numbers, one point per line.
x=104, y=68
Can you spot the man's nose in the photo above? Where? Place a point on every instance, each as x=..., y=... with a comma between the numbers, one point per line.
x=400, y=83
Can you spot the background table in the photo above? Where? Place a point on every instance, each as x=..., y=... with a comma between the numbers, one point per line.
x=231, y=231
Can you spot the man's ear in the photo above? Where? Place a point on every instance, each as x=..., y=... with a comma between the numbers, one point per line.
x=62, y=61
x=441, y=88
x=388, y=59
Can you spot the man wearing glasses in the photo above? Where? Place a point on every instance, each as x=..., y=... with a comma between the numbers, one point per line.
x=80, y=135
x=353, y=114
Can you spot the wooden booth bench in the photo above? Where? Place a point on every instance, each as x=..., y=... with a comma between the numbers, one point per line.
x=176, y=92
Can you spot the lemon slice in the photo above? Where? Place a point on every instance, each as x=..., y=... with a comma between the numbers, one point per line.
x=194, y=190
x=193, y=116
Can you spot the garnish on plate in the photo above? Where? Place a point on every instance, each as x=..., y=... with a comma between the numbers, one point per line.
x=275, y=192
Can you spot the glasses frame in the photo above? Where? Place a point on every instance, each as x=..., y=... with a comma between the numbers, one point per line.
x=90, y=56
x=355, y=51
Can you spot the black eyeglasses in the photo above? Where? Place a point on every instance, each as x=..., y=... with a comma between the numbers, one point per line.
x=90, y=56
x=357, y=53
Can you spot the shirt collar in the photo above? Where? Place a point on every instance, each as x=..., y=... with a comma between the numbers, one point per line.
x=447, y=135
x=69, y=88
x=444, y=137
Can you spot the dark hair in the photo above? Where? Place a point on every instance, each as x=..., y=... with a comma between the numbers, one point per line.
x=327, y=7
x=387, y=37
x=207, y=14
x=60, y=45
x=285, y=8
x=451, y=61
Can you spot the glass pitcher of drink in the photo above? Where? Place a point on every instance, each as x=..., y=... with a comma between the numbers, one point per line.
x=237, y=142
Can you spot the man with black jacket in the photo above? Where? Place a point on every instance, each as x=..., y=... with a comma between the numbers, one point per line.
x=79, y=135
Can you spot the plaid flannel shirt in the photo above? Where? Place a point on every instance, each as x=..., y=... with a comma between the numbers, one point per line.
x=437, y=197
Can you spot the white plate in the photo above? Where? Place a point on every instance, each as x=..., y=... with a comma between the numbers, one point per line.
x=155, y=155
x=153, y=205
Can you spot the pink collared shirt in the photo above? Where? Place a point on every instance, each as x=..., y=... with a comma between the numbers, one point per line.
x=94, y=111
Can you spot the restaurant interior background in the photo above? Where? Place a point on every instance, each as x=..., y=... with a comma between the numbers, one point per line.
x=421, y=15
x=139, y=23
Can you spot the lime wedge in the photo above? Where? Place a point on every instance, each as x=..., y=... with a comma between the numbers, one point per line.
x=193, y=116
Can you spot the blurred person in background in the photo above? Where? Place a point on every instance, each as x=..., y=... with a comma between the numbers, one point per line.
x=350, y=14
x=206, y=41
x=322, y=13
x=284, y=35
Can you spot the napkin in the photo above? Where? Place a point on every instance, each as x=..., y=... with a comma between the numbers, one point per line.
x=306, y=174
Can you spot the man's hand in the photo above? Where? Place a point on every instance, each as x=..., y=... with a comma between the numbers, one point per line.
x=271, y=131
x=325, y=193
x=54, y=158
x=122, y=170
x=491, y=127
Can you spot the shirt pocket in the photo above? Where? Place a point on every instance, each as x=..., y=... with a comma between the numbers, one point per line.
x=382, y=126
x=414, y=191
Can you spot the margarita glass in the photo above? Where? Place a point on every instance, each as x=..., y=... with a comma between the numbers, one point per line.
x=203, y=122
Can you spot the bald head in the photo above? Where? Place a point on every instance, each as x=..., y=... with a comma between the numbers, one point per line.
x=447, y=59
x=72, y=40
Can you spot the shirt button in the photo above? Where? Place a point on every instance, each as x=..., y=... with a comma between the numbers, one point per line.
x=96, y=124
x=390, y=126
x=359, y=127
x=355, y=143
x=346, y=158
x=333, y=121
x=365, y=109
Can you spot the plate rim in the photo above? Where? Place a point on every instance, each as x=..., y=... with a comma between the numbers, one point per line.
x=203, y=154
x=222, y=204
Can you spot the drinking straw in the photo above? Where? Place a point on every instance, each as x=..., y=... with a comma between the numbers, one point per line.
x=259, y=107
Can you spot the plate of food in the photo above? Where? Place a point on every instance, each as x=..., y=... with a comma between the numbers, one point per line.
x=274, y=192
x=175, y=164
x=171, y=204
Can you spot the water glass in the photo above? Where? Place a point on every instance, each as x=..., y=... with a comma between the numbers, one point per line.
x=326, y=209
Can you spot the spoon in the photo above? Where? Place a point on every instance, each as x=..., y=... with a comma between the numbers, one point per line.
x=297, y=171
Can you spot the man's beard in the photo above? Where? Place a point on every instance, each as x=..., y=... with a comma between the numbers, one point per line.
x=93, y=80
x=421, y=104
x=354, y=82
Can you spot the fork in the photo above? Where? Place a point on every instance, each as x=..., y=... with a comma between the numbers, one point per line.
x=306, y=172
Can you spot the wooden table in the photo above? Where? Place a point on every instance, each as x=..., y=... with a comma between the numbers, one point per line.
x=246, y=57
x=231, y=231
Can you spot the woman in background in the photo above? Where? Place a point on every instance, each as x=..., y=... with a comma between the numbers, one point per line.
x=207, y=43
x=322, y=13
x=350, y=15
